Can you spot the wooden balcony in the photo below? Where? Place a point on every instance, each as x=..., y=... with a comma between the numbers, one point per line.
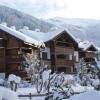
x=63, y=50
x=62, y=62
x=63, y=44
x=90, y=55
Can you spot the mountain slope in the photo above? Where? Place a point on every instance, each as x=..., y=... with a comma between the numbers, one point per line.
x=85, y=29
x=19, y=19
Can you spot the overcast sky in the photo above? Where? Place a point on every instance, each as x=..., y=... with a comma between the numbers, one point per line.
x=57, y=8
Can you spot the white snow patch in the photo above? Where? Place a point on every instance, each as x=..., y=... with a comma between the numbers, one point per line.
x=18, y=34
x=91, y=95
x=6, y=94
x=14, y=78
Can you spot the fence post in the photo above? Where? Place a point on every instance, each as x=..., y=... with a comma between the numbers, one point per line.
x=30, y=96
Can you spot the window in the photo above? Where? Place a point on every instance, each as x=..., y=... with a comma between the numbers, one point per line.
x=61, y=56
x=67, y=57
x=68, y=69
x=64, y=44
x=27, y=50
x=2, y=42
x=64, y=56
x=44, y=55
x=61, y=69
x=89, y=59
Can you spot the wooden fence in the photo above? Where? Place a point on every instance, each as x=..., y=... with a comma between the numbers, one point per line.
x=47, y=96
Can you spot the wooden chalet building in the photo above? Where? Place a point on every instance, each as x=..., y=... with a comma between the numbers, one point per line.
x=61, y=51
x=88, y=51
x=64, y=52
x=12, y=45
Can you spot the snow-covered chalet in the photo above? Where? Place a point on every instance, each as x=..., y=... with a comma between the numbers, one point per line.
x=61, y=53
x=12, y=45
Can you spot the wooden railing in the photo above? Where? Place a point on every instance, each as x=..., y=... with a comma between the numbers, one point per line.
x=90, y=54
x=61, y=62
x=63, y=49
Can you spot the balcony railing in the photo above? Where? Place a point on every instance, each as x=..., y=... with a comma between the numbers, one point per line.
x=61, y=62
x=63, y=49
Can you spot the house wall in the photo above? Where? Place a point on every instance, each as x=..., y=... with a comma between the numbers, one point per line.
x=11, y=54
x=90, y=54
x=65, y=64
x=76, y=55
x=10, y=58
x=63, y=46
x=47, y=60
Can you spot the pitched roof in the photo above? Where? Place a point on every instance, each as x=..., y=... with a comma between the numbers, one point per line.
x=86, y=45
x=98, y=48
x=19, y=35
x=45, y=36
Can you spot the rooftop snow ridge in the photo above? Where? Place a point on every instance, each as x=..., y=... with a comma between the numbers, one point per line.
x=86, y=44
x=26, y=27
x=4, y=23
x=13, y=27
x=45, y=36
x=18, y=34
x=53, y=28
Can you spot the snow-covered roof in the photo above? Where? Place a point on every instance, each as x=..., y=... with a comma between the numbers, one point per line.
x=85, y=44
x=98, y=48
x=40, y=36
x=54, y=33
x=18, y=35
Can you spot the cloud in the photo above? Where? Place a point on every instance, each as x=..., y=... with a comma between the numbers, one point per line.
x=53, y=8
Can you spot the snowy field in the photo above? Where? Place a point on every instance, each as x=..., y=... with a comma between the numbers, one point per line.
x=70, y=87
x=91, y=95
x=86, y=93
x=36, y=98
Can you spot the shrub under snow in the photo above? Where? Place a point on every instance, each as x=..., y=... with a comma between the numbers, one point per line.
x=14, y=78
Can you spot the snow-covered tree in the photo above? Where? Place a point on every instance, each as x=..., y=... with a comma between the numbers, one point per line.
x=13, y=81
x=32, y=65
x=81, y=69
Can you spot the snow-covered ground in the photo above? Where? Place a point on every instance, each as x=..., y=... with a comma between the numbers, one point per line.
x=7, y=94
x=90, y=95
x=35, y=98
x=87, y=93
x=70, y=87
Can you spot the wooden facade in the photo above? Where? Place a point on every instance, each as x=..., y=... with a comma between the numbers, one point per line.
x=62, y=48
x=61, y=53
x=89, y=54
x=11, y=54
